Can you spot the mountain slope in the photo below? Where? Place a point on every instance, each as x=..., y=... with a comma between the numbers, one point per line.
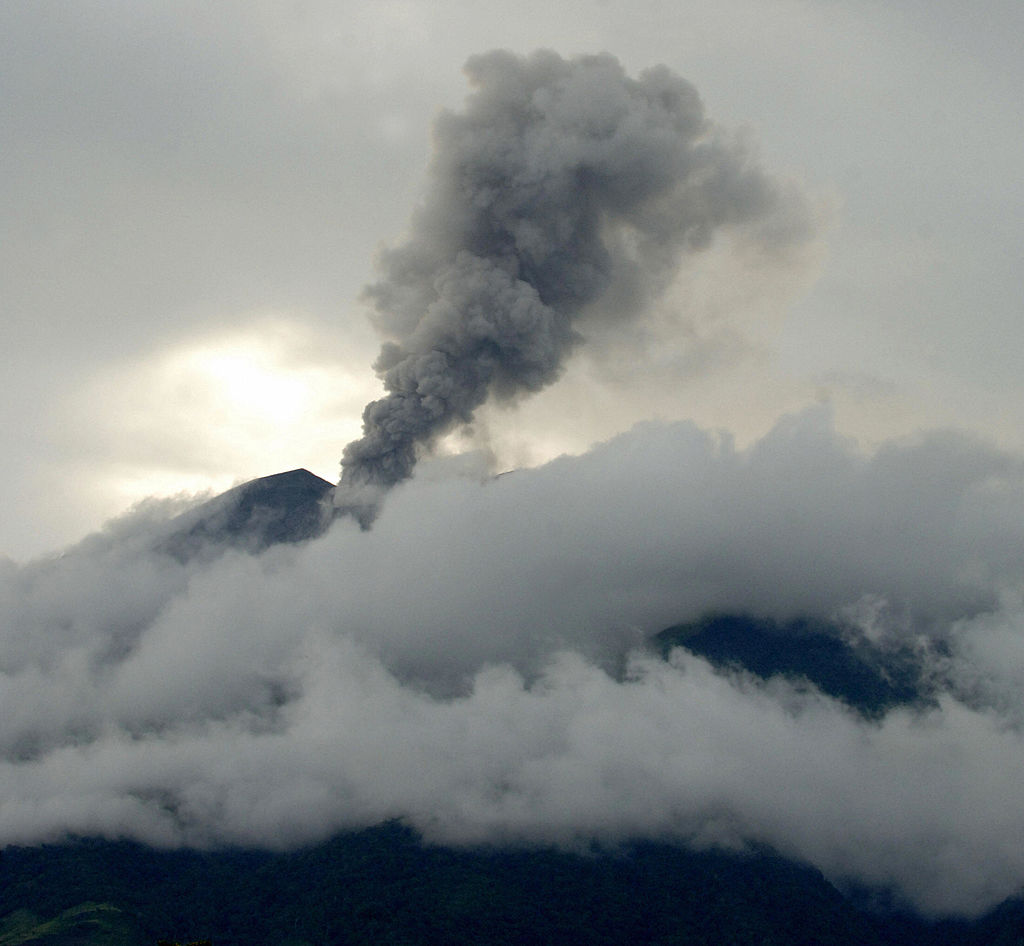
x=281, y=508
x=382, y=885
x=86, y=924
x=863, y=676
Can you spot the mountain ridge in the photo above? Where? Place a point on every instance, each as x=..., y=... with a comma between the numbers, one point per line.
x=289, y=507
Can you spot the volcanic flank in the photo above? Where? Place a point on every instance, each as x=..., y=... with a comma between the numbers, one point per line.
x=283, y=507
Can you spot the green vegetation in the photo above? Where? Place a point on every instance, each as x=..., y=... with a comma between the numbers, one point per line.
x=95, y=924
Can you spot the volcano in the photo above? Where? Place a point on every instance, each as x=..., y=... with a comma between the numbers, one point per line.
x=284, y=507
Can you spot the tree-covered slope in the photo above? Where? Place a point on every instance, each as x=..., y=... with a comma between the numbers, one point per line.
x=868, y=679
x=383, y=886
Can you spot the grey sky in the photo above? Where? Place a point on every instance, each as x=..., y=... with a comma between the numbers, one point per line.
x=193, y=199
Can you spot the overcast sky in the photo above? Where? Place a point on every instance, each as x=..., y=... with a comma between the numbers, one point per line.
x=194, y=196
x=810, y=404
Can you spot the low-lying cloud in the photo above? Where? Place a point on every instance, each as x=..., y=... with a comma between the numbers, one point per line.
x=475, y=664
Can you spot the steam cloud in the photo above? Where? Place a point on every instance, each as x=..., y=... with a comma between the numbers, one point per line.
x=475, y=666
x=559, y=181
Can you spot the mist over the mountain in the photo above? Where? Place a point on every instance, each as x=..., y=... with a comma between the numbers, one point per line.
x=474, y=664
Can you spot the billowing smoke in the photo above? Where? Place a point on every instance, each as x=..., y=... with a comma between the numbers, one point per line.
x=561, y=180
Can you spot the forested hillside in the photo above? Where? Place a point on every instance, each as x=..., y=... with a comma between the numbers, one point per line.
x=382, y=886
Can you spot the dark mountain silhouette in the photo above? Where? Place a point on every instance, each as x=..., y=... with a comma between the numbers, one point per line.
x=284, y=507
x=382, y=885
x=821, y=653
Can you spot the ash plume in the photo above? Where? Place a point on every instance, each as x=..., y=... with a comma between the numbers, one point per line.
x=559, y=181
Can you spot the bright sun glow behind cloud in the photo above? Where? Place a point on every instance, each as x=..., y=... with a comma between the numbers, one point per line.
x=245, y=377
x=219, y=410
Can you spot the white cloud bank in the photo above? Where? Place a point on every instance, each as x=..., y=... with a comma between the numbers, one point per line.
x=459, y=665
